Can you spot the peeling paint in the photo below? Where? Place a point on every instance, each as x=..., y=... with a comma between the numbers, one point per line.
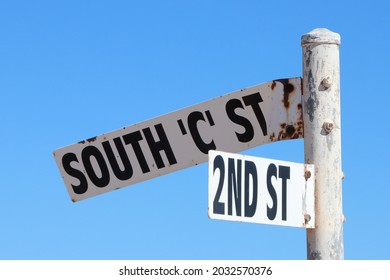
x=312, y=102
x=315, y=255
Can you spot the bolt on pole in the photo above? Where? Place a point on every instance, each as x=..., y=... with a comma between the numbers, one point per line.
x=322, y=141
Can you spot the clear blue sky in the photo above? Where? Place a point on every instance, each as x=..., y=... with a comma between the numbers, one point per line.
x=70, y=70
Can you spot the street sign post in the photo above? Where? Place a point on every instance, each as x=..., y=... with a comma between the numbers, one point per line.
x=321, y=92
x=234, y=122
x=258, y=190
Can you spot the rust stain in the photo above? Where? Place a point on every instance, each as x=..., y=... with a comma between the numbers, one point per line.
x=281, y=136
x=288, y=88
x=289, y=131
x=273, y=85
x=300, y=129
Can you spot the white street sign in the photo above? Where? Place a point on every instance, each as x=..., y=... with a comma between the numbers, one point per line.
x=234, y=122
x=258, y=190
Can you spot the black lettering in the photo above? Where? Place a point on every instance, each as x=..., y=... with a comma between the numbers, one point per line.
x=253, y=100
x=83, y=186
x=284, y=174
x=234, y=186
x=133, y=139
x=210, y=118
x=182, y=128
x=219, y=207
x=272, y=172
x=86, y=154
x=250, y=170
x=127, y=171
x=157, y=146
x=193, y=119
x=248, y=134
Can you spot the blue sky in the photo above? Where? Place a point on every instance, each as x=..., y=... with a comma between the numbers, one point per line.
x=70, y=70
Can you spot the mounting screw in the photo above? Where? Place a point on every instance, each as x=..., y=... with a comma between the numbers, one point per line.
x=290, y=129
x=307, y=218
x=328, y=126
x=307, y=174
x=327, y=82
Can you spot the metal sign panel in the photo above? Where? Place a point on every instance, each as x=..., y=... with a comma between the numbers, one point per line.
x=258, y=190
x=234, y=122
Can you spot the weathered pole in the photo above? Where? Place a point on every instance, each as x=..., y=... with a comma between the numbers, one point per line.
x=322, y=141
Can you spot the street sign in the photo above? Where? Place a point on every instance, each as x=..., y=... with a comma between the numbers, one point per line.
x=258, y=190
x=234, y=122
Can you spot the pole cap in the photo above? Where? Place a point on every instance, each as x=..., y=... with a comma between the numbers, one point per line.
x=320, y=36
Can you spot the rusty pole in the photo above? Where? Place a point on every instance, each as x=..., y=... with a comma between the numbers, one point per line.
x=322, y=141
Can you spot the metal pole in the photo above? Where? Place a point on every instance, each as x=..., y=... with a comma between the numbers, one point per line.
x=322, y=141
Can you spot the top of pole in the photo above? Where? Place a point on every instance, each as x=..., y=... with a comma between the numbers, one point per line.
x=320, y=36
